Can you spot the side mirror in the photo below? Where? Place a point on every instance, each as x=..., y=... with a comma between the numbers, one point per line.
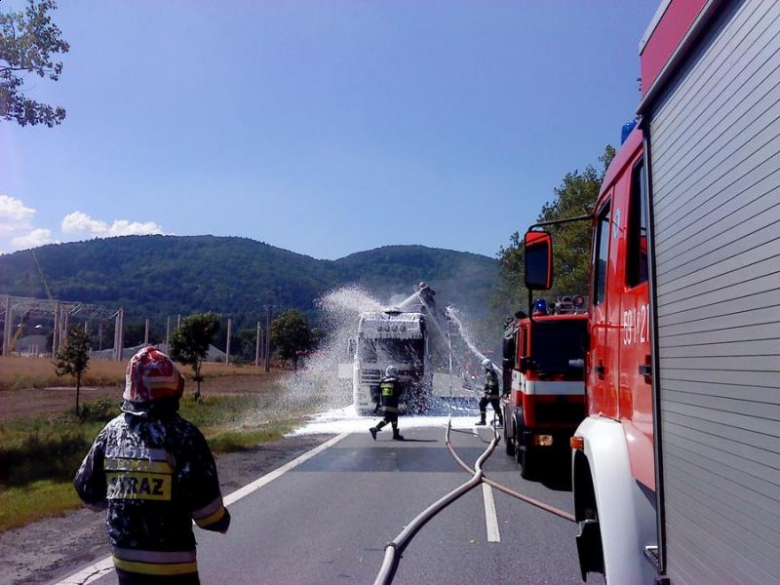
x=538, y=260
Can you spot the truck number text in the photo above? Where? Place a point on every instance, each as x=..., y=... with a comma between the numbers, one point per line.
x=635, y=325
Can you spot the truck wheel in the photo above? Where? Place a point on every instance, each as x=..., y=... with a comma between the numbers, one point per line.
x=589, y=545
x=527, y=462
x=509, y=439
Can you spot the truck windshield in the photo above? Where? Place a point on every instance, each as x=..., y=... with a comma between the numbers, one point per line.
x=554, y=343
x=404, y=351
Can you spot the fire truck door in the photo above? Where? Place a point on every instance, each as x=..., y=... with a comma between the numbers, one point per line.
x=636, y=410
x=603, y=396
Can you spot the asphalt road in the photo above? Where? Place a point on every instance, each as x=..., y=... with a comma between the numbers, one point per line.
x=327, y=520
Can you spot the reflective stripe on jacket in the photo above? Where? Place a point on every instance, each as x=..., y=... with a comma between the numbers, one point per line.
x=155, y=474
x=388, y=390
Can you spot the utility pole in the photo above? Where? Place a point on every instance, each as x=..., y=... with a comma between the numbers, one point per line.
x=7, y=328
x=55, y=335
x=146, y=332
x=227, y=348
x=65, y=327
x=257, y=345
x=100, y=336
x=268, y=337
x=119, y=337
x=168, y=333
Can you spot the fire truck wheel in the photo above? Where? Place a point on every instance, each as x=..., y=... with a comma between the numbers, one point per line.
x=509, y=436
x=527, y=461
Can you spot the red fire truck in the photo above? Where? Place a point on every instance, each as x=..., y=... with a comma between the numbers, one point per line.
x=676, y=469
x=543, y=383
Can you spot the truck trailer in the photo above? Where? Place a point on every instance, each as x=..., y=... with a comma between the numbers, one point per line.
x=676, y=468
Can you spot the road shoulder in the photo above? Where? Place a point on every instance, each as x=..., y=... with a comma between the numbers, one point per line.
x=55, y=547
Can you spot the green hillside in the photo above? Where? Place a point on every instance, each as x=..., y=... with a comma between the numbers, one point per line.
x=156, y=276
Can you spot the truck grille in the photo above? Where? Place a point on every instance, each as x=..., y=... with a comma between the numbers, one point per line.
x=564, y=413
x=370, y=376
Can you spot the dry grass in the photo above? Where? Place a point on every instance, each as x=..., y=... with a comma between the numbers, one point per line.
x=38, y=458
x=17, y=373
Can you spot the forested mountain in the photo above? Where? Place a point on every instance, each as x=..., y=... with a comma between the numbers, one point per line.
x=157, y=276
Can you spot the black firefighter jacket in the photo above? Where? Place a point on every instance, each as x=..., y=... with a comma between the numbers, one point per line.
x=491, y=384
x=390, y=393
x=155, y=474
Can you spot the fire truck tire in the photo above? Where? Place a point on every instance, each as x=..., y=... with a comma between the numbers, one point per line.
x=528, y=463
x=509, y=435
x=610, y=503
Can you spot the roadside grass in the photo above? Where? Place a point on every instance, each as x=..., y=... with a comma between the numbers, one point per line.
x=39, y=456
x=21, y=505
x=39, y=372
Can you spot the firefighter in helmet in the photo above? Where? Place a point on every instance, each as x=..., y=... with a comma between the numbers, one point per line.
x=389, y=391
x=154, y=473
x=490, y=394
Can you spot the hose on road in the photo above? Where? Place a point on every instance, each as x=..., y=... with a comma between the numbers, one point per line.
x=394, y=548
x=506, y=490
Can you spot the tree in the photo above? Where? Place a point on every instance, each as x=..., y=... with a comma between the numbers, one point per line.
x=28, y=40
x=246, y=343
x=290, y=333
x=576, y=196
x=190, y=343
x=73, y=358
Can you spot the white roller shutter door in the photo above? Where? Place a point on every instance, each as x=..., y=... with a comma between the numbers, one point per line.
x=715, y=160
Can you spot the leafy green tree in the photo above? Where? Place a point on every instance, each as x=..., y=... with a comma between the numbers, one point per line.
x=290, y=333
x=575, y=196
x=28, y=39
x=73, y=358
x=190, y=343
x=246, y=343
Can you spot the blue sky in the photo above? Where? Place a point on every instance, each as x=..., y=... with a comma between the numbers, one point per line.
x=323, y=127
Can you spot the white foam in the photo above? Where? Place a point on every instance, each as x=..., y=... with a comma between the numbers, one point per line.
x=346, y=420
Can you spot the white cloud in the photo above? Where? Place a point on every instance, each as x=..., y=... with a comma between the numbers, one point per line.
x=80, y=222
x=33, y=239
x=14, y=215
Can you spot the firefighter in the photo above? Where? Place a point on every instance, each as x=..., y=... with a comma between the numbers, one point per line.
x=154, y=474
x=490, y=394
x=389, y=391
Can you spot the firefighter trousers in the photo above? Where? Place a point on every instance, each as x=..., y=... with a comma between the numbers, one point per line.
x=494, y=402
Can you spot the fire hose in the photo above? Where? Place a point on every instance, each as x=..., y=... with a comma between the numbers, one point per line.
x=394, y=548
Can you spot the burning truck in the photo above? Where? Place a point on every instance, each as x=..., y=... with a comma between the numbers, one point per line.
x=407, y=336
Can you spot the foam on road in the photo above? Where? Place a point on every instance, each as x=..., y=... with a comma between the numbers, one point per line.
x=347, y=420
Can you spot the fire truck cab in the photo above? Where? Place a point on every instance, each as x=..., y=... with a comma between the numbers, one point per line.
x=675, y=467
x=545, y=393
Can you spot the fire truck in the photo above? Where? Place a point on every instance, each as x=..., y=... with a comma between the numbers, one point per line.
x=676, y=468
x=543, y=383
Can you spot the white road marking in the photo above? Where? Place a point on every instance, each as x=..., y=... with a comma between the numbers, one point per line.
x=258, y=483
x=97, y=570
x=491, y=520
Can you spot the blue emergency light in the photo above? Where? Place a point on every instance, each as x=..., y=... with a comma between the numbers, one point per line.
x=627, y=128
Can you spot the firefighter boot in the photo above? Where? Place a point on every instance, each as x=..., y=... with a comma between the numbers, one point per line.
x=373, y=432
x=397, y=436
x=481, y=420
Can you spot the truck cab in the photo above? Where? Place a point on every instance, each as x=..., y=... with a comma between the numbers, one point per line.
x=613, y=473
x=391, y=338
x=545, y=393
